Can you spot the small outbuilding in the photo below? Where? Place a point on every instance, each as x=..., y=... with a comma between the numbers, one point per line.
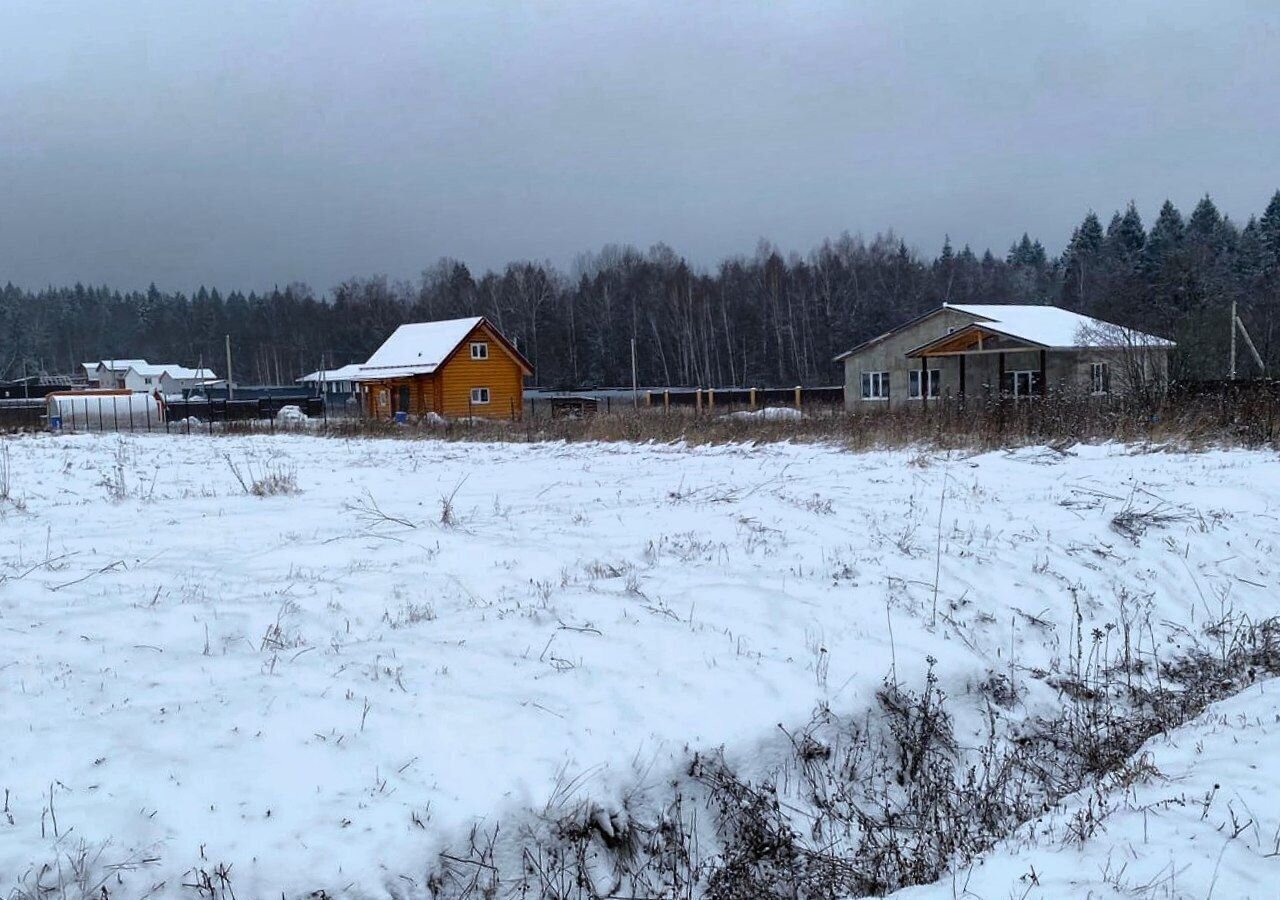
x=454, y=368
x=332, y=381
x=1011, y=350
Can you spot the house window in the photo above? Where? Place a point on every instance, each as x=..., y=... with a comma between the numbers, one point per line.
x=1100, y=378
x=479, y=395
x=480, y=350
x=146, y=380
x=1022, y=383
x=875, y=385
x=933, y=384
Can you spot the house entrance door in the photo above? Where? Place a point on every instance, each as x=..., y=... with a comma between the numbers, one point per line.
x=402, y=399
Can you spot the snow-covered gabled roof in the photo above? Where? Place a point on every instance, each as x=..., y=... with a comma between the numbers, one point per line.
x=184, y=373
x=148, y=370
x=120, y=365
x=345, y=373
x=1056, y=328
x=417, y=348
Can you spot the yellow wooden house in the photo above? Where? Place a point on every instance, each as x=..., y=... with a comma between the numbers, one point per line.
x=455, y=368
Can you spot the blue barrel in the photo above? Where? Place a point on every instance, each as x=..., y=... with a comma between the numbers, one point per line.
x=402, y=418
x=55, y=423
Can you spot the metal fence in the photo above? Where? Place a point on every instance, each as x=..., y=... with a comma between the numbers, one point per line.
x=540, y=403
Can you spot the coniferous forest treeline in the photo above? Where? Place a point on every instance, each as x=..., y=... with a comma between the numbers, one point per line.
x=764, y=319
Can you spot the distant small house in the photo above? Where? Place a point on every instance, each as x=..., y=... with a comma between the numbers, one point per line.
x=143, y=378
x=333, y=381
x=110, y=373
x=454, y=368
x=167, y=378
x=90, y=373
x=182, y=380
x=1009, y=350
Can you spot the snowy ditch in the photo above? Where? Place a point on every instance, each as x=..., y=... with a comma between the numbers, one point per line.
x=293, y=665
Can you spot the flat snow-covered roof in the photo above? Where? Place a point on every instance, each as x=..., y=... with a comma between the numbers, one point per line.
x=345, y=373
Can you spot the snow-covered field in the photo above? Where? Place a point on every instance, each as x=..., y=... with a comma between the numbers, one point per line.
x=322, y=690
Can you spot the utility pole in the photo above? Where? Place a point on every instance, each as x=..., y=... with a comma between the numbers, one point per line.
x=635, y=387
x=1238, y=323
x=229, y=388
x=1233, y=341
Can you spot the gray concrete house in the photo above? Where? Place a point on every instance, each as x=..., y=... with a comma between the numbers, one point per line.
x=1012, y=350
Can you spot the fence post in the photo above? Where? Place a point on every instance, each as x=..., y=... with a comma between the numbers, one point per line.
x=753, y=398
x=115, y=412
x=666, y=400
x=697, y=399
x=711, y=399
x=797, y=396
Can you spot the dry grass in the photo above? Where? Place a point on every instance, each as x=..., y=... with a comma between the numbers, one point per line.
x=270, y=479
x=1186, y=423
x=866, y=804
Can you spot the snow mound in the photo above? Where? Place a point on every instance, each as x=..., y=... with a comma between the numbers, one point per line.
x=769, y=414
x=1200, y=814
x=291, y=415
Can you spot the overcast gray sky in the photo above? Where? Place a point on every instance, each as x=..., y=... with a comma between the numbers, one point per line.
x=246, y=143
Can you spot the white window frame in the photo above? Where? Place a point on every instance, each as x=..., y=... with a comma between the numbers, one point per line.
x=479, y=350
x=1031, y=375
x=480, y=396
x=874, y=386
x=1100, y=378
x=933, y=386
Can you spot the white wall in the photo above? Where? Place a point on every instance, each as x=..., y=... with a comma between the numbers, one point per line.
x=141, y=384
x=169, y=385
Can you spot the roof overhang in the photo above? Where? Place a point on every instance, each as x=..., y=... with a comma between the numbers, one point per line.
x=387, y=372
x=970, y=340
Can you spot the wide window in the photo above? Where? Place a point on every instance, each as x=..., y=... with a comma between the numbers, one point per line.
x=1100, y=378
x=479, y=395
x=875, y=385
x=479, y=350
x=933, y=384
